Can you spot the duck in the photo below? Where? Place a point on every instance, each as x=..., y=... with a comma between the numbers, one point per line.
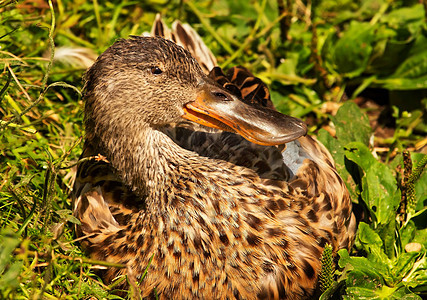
x=196, y=183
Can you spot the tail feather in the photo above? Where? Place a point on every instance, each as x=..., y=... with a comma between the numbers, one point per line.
x=185, y=36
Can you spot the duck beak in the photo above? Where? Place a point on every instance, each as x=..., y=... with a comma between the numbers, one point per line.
x=217, y=108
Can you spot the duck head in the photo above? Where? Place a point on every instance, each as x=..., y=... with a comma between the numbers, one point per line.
x=150, y=82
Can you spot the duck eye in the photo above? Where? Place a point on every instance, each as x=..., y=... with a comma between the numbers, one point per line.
x=156, y=70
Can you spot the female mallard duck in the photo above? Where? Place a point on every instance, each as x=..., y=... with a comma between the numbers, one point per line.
x=193, y=180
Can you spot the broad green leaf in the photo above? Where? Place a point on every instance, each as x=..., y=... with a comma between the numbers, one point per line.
x=351, y=125
x=407, y=233
x=370, y=238
x=389, y=51
x=403, y=264
x=352, y=51
x=379, y=186
x=404, y=83
x=360, y=274
x=410, y=296
x=406, y=17
x=395, y=43
x=373, y=245
x=359, y=264
x=386, y=232
x=364, y=281
x=410, y=75
x=421, y=235
x=379, y=293
x=337, y=151
x=417, y=277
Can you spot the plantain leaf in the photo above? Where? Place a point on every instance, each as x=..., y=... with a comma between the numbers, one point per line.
x=351, y=125
x=364, y=278
x=379, y=186
x=352, y=51
x=412, y=72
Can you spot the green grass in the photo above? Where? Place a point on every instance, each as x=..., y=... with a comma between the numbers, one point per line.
x=316, y=57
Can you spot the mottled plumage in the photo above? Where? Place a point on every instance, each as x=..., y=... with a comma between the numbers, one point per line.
x=222, y=217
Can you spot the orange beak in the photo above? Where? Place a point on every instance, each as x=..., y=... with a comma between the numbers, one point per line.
x=217, y=108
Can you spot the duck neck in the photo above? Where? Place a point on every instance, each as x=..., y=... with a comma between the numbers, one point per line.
x=149, y=165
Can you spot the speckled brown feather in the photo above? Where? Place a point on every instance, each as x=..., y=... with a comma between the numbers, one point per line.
x=222, y=218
